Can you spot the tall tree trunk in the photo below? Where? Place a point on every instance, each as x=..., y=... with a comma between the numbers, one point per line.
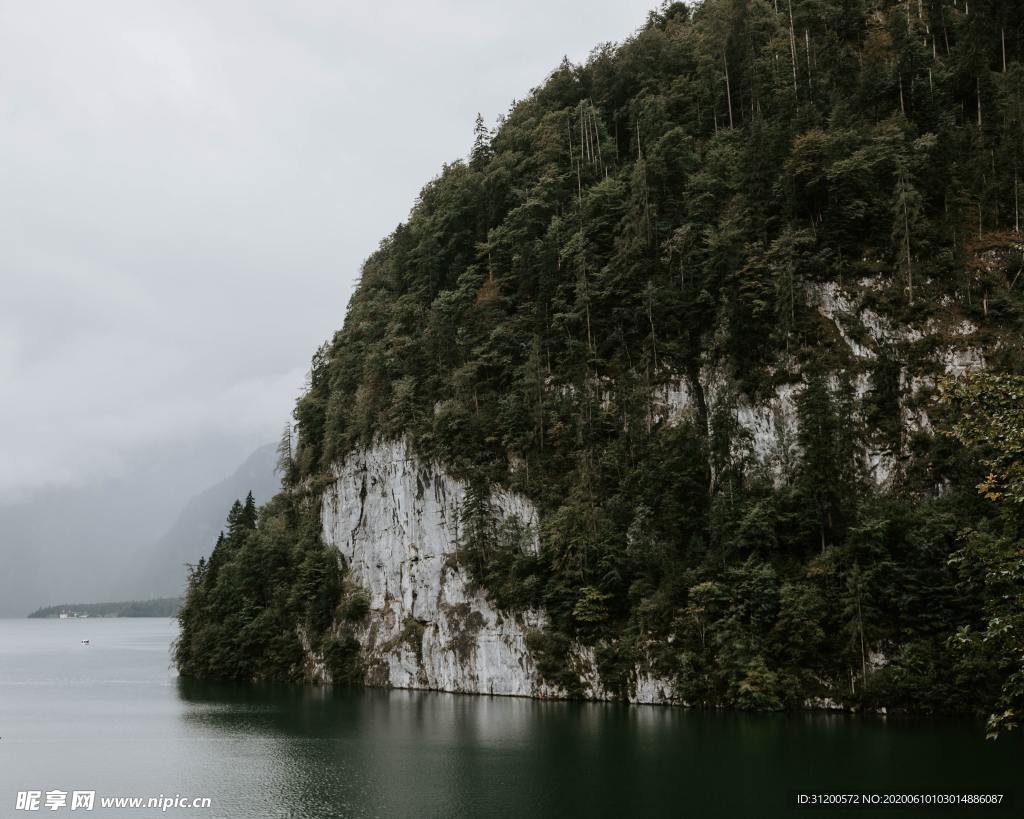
x=860, y=628
x=1016, y=201
x=792, y=46
x=728, y=90
x=807, y=43
x=977, y=85
x=597, y=141
x=654, y=338
x=906, y=238
x=583, y=136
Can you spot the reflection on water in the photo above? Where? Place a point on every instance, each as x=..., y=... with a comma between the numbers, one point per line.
x=114, y=718
x=404, y=753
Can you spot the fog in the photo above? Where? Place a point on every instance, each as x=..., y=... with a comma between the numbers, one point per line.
x=187, y=190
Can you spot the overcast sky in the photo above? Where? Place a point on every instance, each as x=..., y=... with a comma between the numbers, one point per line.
x=188, y=189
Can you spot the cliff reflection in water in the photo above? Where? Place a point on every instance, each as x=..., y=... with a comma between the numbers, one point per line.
x=371, y=752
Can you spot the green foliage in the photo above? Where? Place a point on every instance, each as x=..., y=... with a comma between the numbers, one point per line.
x=268, y=579
x=760, y=689
x=991, y=416
x=356, y=607
x=591, y=606
x=991, y=560
x=550, y=651
x=497, y=554
x=341, y=654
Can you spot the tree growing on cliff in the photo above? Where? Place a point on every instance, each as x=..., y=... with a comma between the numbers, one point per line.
x=990, y=420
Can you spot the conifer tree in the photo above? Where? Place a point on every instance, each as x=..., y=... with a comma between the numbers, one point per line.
x=249, y=512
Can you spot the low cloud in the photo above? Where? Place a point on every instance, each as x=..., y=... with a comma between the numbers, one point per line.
x=188, y=190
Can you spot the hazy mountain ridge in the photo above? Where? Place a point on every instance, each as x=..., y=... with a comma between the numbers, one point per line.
x=161, y=569
x=85, y=541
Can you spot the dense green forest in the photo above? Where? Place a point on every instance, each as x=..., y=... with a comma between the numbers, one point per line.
x=157, y=607
x=664, y=215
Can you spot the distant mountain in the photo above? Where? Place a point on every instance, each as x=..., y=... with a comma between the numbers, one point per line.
x=161, y=569
x=85, y=541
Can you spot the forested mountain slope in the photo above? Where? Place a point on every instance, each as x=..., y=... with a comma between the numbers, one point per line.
x=694, y=300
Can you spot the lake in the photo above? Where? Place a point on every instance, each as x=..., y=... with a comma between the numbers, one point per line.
x=112, y=717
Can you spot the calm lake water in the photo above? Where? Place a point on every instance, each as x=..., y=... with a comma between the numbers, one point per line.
x=113, y=717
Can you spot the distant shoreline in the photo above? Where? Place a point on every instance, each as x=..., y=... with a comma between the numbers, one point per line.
x=158, y=607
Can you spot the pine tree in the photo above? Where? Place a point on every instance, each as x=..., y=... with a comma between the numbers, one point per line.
x=481, y=143
x=241, y=521
x=236, y=529
x=249, y=512
x=477, y=532
x=820, y=469
x=284, y=453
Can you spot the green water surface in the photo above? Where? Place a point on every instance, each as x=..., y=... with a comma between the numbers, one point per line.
x=113, y=717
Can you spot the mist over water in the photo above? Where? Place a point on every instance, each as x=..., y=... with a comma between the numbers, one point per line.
x=111, y=716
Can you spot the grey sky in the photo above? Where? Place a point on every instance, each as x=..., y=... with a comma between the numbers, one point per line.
x=187, y=190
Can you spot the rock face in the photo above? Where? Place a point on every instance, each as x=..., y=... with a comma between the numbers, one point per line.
x=767, y=431
x=395, y=520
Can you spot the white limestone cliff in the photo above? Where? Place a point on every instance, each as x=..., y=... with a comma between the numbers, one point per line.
x=768, y=429
x=394, y=519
